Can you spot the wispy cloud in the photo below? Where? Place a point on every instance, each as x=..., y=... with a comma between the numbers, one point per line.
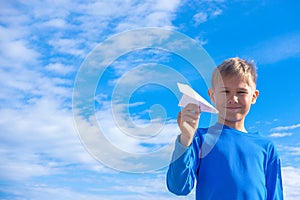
x=59, y=68
x=203, y=16
x=283, y=131
x=42, y=45
x=125, y=143
x=206, y=10
x=98, y=186
x=39, y=140
x=200, y=17
x=292, y=150
x=291, y=182
x=285, y=128
x=278, y=135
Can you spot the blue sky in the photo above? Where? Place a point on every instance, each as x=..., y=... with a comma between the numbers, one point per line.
x=47, y=151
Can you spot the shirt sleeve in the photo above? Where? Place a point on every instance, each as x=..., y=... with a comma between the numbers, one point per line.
x=273, y=176
x=182, y=169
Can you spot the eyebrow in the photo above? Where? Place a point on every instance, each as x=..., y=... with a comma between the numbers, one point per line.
x=226, y=88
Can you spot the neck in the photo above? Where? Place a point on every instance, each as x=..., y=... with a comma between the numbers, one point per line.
x=238, y=125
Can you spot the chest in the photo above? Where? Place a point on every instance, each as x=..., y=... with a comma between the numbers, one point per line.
x=234, y=155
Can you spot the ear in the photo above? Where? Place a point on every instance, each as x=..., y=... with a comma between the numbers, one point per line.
x=211, y=95
x=254, y=96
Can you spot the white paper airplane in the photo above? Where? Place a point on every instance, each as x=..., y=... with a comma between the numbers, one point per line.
x=191, y=96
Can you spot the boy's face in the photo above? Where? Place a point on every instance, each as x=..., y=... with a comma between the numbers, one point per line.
x=233, y=99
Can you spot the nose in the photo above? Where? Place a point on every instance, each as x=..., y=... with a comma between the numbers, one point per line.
x=232, y=99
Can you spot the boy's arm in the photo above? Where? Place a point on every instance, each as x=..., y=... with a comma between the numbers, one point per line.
x=182, y=170
x=273, y=176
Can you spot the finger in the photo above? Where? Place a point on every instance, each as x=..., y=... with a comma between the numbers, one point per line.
x=192, y=108
x=192, y=123
x=179, y=118
x=190, y=114
x=190, y=119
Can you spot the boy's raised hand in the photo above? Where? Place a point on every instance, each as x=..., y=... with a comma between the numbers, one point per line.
x=188, y=120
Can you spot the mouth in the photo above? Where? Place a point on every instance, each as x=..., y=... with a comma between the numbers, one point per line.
x=233, y=108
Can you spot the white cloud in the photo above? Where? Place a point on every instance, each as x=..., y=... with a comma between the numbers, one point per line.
x=292, y=150
x=22, y=86
x=284, y=134
x=49, y=9
x=55, y=23
x=12, y=33
x=285, y=128
x=206, y=10
x=37, y=121
x=17, y=51
x=84, y=24
x=124, y=138
x=166, y=5
x=115, y=186
x=291, y=182
x=68, y=46
x=39, y=139
x=12, y=15
x=290, y=154
x=154, y=132
x=200, y=17
x=19, y=166
x=154, y=13
x=59, y=68
x=217, y=12
x=149, y=73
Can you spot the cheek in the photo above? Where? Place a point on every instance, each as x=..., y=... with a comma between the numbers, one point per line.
x=221, y=104
x=220, y=98
x=246, y=100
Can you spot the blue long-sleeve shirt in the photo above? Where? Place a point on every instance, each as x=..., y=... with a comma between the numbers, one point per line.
x=226, y=164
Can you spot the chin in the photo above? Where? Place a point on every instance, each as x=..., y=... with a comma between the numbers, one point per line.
x=232, y=119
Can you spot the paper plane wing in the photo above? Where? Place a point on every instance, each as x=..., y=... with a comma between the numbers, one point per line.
x=191, y=96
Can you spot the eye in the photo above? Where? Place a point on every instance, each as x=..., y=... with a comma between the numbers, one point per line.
x=225, y=91
x=242, y=92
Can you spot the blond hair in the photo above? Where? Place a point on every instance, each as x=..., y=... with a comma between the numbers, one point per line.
x=235, y=67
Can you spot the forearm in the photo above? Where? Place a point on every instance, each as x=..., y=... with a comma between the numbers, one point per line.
x=181, y=173
x=273, y=176
x=274, y=181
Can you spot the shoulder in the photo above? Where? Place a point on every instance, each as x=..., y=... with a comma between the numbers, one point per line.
x=267, y=144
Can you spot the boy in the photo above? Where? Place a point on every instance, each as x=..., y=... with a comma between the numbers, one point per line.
x=226, y=160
